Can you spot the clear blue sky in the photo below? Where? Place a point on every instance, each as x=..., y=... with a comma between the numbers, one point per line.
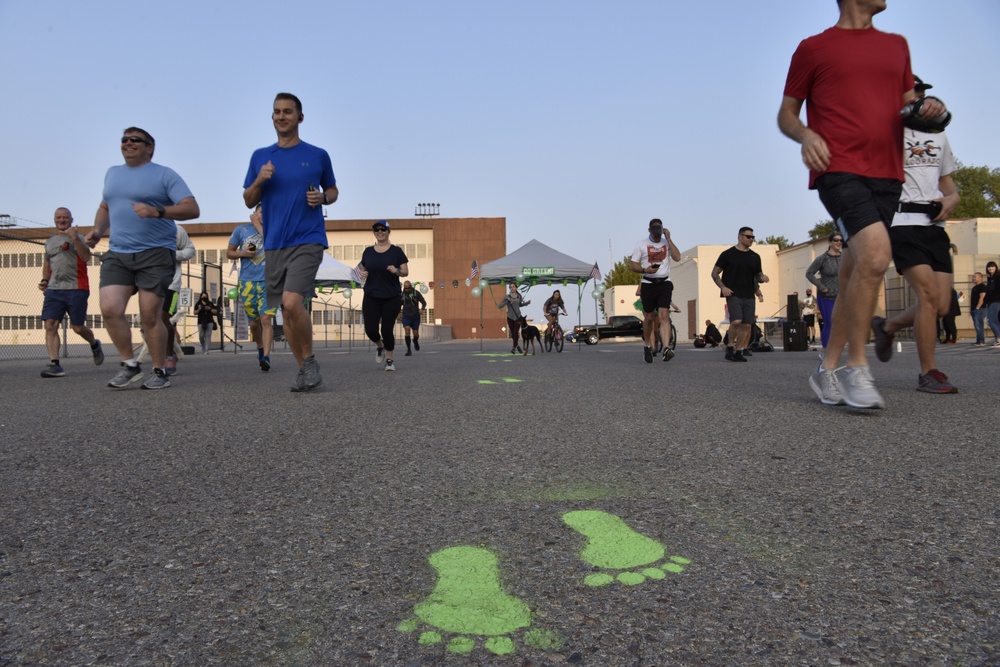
x=577, y=121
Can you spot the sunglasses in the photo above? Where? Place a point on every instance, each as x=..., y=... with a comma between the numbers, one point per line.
x=750, y=236
x=134, y=140
x=838, y=240
x=381, y=229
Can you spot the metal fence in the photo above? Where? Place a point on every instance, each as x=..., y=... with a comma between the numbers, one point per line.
x=336, y=320
x=899, y=296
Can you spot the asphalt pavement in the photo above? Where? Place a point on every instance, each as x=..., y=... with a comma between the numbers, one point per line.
x=482, y=508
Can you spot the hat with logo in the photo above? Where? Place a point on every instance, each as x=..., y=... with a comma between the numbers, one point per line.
x=381, y=223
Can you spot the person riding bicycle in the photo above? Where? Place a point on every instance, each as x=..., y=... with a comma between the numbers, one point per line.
x=552, y=307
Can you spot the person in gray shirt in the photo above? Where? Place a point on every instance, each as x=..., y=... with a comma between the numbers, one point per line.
x=827, y=266
x=514, y=302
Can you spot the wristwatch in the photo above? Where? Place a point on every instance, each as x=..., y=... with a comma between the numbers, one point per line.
x=159, y=211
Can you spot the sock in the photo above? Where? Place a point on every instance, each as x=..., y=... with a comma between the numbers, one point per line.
x=260, y=353
x=131, y=363
x=407, y=338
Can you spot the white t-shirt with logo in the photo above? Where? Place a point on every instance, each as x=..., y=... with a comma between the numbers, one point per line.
x=926, y=158
x=648, y=252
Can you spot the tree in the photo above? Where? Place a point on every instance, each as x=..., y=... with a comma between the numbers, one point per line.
x=822, y=229
x=779, y=241
x=980, y=190
x=621, y=274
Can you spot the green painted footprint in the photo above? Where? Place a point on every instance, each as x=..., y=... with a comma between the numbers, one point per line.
x=612, y=545
x=468, y=600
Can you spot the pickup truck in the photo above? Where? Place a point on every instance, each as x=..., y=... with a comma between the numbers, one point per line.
x=618, y=326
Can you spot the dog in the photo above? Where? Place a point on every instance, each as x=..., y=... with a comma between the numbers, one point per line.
x=530, y=334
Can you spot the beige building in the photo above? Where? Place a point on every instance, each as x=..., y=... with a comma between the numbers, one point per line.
x=440, y=251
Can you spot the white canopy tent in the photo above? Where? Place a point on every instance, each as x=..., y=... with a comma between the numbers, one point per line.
x=334, y=273
x=537, y=264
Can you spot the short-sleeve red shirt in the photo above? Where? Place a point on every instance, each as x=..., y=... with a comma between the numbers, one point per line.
x=853, y=82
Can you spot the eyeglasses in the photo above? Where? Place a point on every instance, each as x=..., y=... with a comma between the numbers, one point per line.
x=134, y=140
x=837, y=240
x=750, y=236
x=380, y=229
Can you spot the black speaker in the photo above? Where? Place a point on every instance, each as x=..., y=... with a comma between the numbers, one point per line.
x=794, y=336
x=793, y=308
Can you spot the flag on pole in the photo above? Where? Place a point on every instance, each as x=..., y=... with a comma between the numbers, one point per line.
x=232, y=268
x=475, y=270
x=595, y=272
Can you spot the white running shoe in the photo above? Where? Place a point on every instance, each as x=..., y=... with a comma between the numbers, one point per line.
x=824, y=383
x=858, y=388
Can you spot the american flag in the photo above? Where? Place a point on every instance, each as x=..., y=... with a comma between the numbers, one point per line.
x=475, y=270
x=356, y=274
x=595, y=272
x=232, y=268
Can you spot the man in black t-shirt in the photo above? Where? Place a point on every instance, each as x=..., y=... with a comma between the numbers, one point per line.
x=737, y=272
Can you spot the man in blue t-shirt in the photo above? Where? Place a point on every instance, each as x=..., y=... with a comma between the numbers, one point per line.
x=292, y=180
x=247, y=245
x=141, y=202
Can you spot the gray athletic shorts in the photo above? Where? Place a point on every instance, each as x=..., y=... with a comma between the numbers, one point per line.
x=742, y=310
x=292, y=269
x=151, y=270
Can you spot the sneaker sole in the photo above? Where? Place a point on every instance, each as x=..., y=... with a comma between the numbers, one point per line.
x=879, y=405
x=132, y=380
x=53, y=375
x=950, y=389
x=162, y=386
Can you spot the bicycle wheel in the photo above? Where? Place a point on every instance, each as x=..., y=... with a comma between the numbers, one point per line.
x=559, y=340
x=548, y=341
x=673, y=337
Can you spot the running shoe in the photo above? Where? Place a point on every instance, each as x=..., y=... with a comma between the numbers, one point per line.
x=299, y=384
x=380, y=355
x=647, y=354
x=824, y=383
x=389, y=366
x=310, y=374
x=883, y=339
x=416, y=344
x=98, y=351
x=935, y=382
x=158, y=380
x=858, y=388
x=738, y=356
x=126, y=375
x=53, y=370
x=729, y=354
x=265, y=363
x=668, y=354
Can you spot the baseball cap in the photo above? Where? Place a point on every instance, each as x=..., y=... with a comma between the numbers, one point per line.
x=655, y=222
x=382, y=223
x=920, y=86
